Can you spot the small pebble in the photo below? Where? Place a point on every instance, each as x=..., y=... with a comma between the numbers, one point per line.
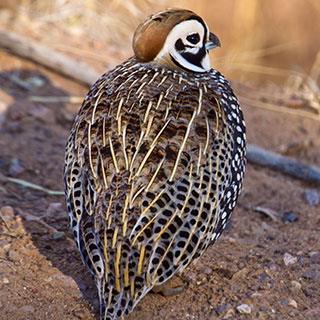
x=284, y=302
x=267, y=227
x=229, y=314
x=244, y=308
x=289, y=216
x=35, y=82
x=263, y=308
x=311, y=197
x=315, y=257
x=4, y=245
x=296, y=285
x=255, y=294
x=288, y=259
x=310, y=274
x=80, y=314
x=14, y=255
x=207, y=271
x=27, y=308
x=240, y=275
x=293, y=303
x=263, y=276
x=220, y=308
x=5, y=280
x=78, y=294
x=15, y=168
x=54, y=209
x=58, y=235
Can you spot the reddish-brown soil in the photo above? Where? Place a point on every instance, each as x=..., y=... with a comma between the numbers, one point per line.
x=41, y=274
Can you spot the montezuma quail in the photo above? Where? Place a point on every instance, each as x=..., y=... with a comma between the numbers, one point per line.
x=154, y=162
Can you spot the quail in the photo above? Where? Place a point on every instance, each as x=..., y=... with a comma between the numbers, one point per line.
x=154, y=161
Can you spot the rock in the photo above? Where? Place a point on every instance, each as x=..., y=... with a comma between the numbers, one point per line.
x=289, y=216
x=311, y=197
x=288, y=259
x=244, y=308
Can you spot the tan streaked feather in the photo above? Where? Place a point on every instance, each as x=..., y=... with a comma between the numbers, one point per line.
x=141, y=137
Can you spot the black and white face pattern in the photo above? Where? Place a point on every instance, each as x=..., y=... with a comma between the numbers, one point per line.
x=186, y=45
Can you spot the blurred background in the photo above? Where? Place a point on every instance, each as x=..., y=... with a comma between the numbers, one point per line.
x=274, y=40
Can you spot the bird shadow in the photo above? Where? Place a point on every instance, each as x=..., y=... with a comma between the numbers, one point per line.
x=34, y=126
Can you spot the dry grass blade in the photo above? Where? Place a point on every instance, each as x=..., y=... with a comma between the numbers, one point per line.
x=277, y=108
x=52, y=99
x=83, y=53
x=34, y=186
x=4, y=221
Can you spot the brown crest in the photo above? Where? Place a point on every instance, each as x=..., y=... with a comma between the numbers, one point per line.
x=151, y=34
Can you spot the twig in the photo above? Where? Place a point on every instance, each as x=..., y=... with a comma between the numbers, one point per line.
x=33, y=50
x=4, y=221
x=284, y=164
x=33, y=186
x=268, y=212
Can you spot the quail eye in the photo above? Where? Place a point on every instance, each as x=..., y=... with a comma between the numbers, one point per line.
x=193, y=38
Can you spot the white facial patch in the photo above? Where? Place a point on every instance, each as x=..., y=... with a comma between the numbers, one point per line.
x=181, y=31
x=193, y=50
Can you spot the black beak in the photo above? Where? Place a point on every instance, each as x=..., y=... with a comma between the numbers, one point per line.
x=213, y=42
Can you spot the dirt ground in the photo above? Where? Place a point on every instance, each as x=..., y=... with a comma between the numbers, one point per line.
x=263, y=267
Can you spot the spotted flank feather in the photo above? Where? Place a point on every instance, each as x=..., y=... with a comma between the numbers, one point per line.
x=153, y=169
